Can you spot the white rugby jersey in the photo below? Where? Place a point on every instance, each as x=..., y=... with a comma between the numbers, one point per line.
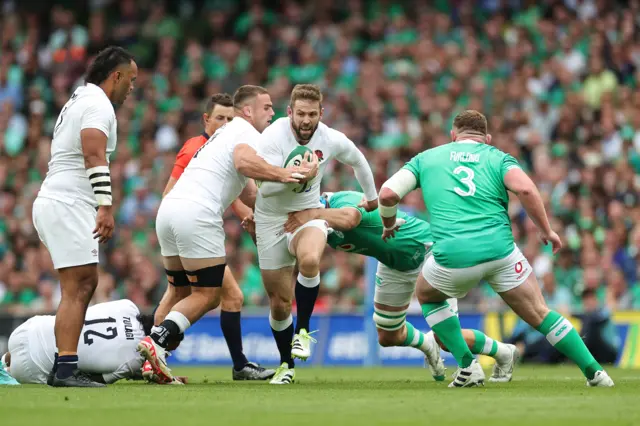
x=66, y=180
x=211, y=178
x=275, y=144
x=107, y=345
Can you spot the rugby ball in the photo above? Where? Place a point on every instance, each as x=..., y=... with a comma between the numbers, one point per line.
x=295, y=158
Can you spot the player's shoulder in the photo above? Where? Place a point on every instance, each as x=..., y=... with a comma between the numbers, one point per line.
x=277, y=128
x=94, y=95
x=346, y=199
x=330, y=134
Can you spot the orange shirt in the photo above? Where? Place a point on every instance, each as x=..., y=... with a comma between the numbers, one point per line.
x=186, y=153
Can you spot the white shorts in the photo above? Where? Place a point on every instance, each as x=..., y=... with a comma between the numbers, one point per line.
x=189, y=230
x=502, y=274
x=23, y=368
x=274, y=245
x=66, y=229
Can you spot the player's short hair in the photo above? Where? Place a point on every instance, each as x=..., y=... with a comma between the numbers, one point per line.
x=106, y=62
x=306, y=92
x=222, y=99
x=247, y=93
x=471, y=121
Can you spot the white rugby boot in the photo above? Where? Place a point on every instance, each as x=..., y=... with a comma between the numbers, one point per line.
x=503, y=368
x=468, y=377
x=601, y=379
x=301, y=345
x=432, y=358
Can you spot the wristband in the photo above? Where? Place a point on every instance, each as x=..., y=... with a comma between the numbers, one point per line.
x=100, y=180
x=387, y=211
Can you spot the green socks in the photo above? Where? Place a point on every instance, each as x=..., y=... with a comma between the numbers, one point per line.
x=561, y=334
x=445, y=323
x=484, y=344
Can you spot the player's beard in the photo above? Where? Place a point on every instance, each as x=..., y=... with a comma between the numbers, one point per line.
x=298, y=131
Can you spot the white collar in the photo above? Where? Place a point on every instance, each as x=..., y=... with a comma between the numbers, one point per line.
x=467, y=141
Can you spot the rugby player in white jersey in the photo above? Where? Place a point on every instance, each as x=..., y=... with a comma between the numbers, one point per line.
x=107, y=346
x=72, y=212
x=189, y=222
x=279, y=251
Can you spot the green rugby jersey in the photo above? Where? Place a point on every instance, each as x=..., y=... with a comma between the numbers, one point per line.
x=463, y=188
x=405, y=252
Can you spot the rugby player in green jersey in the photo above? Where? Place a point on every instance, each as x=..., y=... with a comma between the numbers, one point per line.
x=464, y=184
x=355, y=230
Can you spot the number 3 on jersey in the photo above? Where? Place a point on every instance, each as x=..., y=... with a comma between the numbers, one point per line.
x=467, y=179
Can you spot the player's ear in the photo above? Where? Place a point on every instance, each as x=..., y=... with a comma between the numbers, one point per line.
x=289, y=111
x=205, y=118
x=488, y=139
x=453, y=135
x=321, y=111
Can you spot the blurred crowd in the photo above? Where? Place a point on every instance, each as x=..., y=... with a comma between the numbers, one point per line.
x=558, y=81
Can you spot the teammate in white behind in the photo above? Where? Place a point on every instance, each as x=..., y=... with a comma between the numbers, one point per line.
x=107, y=346
x=189, y=222
x=77, y=184
x=287, y=141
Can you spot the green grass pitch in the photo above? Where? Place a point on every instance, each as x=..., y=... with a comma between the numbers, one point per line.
x=544, y=396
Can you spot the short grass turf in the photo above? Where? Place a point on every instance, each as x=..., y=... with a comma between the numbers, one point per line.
x=334, y=396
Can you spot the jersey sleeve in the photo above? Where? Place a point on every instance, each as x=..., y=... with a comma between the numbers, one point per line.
x=508, y=163
x=183, y=158
x=414, y=167
x=348, y=153
x=96, y=116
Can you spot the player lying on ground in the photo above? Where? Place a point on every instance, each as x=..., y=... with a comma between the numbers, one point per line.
x=73, y=212
x=190, y=218
x=357, y=231
x=219, y=112
x=107, y=346
x=464, y=185
x=286, y=142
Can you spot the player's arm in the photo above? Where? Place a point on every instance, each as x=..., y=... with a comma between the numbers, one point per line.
x=342, y=219
x=517, y=181
x=392, y=192
x=95, y=126
x=350, y=155
x=247, y=161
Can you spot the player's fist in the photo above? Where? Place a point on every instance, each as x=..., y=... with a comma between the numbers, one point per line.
x=104, y=224
x=391, y=232
x=553, y=238
x=249, y=224
x=369, y=205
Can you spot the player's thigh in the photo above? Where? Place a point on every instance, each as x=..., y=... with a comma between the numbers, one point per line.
x=278, y=283
x=23, y=368
x=527, y=301
x=309, y=241
x=273, y=250
x=437, y=283
x=66, y=229
x=78, y=281
x=394, y=288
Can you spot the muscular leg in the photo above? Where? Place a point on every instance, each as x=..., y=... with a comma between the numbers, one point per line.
x=527, y=302
x=176, y=290
x=443, y=321
x=307, y=246
x=230, y=322
x=77, y=285
x=278, y=285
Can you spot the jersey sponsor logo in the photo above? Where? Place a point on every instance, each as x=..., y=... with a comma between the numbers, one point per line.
x=464, y=157
x=518, y=267
x=320, y=155
x=128, y=328
x=338, y=234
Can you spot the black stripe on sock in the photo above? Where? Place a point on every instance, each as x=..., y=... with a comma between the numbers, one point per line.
x=102, y=192
x=96, y=184
x=97, y=175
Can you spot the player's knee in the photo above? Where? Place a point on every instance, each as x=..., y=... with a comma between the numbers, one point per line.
x=280, y=307
x=232, y=299
x=85, y=286
x=208, y=297
x=388, y=338
x=309, y=263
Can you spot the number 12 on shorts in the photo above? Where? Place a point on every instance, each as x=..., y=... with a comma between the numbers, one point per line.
x=467, y=180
